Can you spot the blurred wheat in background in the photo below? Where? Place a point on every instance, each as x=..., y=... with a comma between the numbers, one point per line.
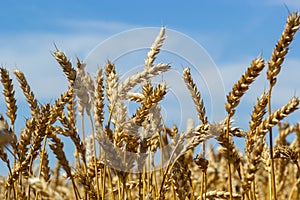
x=117, y=160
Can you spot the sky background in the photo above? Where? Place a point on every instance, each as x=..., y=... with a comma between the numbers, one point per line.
x=232, y=32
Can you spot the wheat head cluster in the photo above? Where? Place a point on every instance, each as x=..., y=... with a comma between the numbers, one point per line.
x=266, y=169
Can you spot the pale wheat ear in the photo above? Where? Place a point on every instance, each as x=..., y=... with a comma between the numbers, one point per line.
x=155, y=48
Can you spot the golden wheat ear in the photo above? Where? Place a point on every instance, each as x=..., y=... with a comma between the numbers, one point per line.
x=9, y=94
x=282, y=47
x=239, y=88
x=66, y=65
x=275, y=117
x=28, y=93
x=196, y=96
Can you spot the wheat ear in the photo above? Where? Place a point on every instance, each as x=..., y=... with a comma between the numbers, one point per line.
x=27, y=92
x=277, y=116
x=66, y=65
x=196, y=96
x=282, y=47
x=256, y=118
x=140, y=77
x=155, y=48
x=238, y=90
x=9, y=94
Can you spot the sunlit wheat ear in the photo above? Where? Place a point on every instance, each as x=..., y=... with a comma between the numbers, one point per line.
x=155, y=48
x=282, y=47
x=27, y=92
x=256, y=118
x=258, y=112
x=99, y=98
x=239, y=88
x=66, y=65
x=277, y=116
x=26, y=136
x=196, y=96
x=9, y=94
x=156, y=96
x=112, y=82
x=141, y=77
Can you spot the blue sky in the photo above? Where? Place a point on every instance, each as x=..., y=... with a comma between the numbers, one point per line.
x=232, y=32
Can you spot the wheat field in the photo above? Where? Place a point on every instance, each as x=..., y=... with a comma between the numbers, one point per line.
x=117, y=160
